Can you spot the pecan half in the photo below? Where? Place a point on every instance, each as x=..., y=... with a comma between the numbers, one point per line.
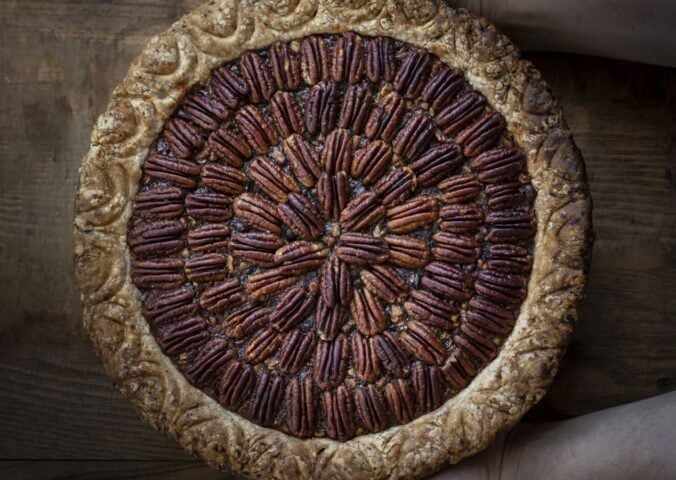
x=314, y=60
x=212, y=357
x=229, y=147
x=301, y=216
x=504, y=195
x=370, y=408
x=396, y=187
x=380, y=60
x=245, y=321
x=412, y=215
x=330, y=363
x=333, y=192
x=299, y=407
x=228, y=86
x=209, y=267
x=357, y=103
x=296, y=349
x=303, y=159
x=475, y=343
x=288, y=117
x=262, y=345
x=501, y=287
x=205, y=111
x=362, y=211
x=258, y=212
x=459, y=114
x=371, y=162
x=266, y=398
x=171, y=305
x=328, y=320
x=383, y=122
x=460, y=218
x=383, y=281
x=336, y=285
x=366, y=361
x=428, y=387
x=321, y=108
x=183, y=335
x=272, y=180
x=509, y=226
x=337, y=153
x=160, y=273
x=159, y=238
x=175, y=170
x=407, y=252
x=454, y=248
x=442, y=87
x=160, y=202
x=436, y=164
x=285, y=67
x=256, y=129
x=291, y=309
x=236, y=385
x=431, y=310
x=348, y=58
x=223, y=179
x=412, y=74
x=460, y=189
x=361, y=249
x=337, y=407
x=257, y=76
x=447, y=280
x=508, y=258
x=482, y=135
x=458, y=370
x=367, y=313
x=390, y=353
x=423, y=343
x=210, y=207
x=499, y=164
x=399, y=399
x=222, y=295
x=257, y=248
x=489, y=316
x=299, y=256
x=182, y=137
x=263, y=284
x=414, y=136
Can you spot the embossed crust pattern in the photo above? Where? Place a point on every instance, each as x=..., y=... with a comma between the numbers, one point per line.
x=204, y=222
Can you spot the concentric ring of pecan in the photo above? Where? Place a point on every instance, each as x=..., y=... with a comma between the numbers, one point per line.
x=171, y=305
x=337, y=153
x=447, y=280
x=398, y=397
x=460, y=189
x=236, y=384
x=175, y=170
x=207, y=206
x=412, y=215
x=159, y=203
x=256, y=129
x=212, y=357
x=380, y=61
x=222, y=295
x=460, y=218
x=209, y=267
x=333, y=192
x=442, y=87
x=245, y=321
x=396, y=187
x=459, y=114
x=422, y=343
x=257, y=76
x=258, y=212
x=228, y=86
x=272, y=180
x=367, y=313
x=183, y=335
x=223, y=179
x=229, y=147
x=182, y=137
x=436, y=164
x=504, y=195
x=357, y=103
x=370, y=408
x=299, y=256
x=160, y=273
x=371, y=162
x=362, y=211
x=301, y=216
x=328, y=320
x=257, y=248
x=303, y=159
x=162, y=237
x=336, y=285
x=366, y=361
x=414, y=136
x=291, y=309
x=287, y=115
x=412, y=74
x=321, y=108
x=458, y=370
x=454, y=248
x=431, y=310
x=314, y=60
x=476, y=343
x=285, y=67
x=262, y=345
x=385, y=116
x=202, y=110
x=489, y=316
x=407, y=252
x=330, y=363
x=348, y=58
x=482, y=135
x=299, y=407
x=296, y=350
x=501, y=287
x=384, y=282
x=261, y=285
x=428, y=387
x=337, y=407
x=361, y=249
x=508, y=258
x=509, y=226
x=392, y=356
x=499, y=164
x=266, y=398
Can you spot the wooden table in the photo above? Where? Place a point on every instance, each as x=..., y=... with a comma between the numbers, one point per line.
x=60, y=415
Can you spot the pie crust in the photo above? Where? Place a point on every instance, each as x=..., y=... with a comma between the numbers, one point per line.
x=184, y=56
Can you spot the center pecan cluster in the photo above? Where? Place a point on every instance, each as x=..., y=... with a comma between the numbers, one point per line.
x=336, y=226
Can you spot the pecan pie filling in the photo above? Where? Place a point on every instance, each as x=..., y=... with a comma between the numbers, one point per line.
x=333, y=235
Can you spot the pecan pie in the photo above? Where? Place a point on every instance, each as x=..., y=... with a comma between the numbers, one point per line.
x=326, y=239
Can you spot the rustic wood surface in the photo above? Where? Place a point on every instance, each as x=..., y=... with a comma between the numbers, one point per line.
x=59, y=414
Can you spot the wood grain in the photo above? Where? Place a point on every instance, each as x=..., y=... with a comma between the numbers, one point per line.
x=60, y=60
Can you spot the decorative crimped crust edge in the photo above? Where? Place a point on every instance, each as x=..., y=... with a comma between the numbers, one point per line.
x=184, y=55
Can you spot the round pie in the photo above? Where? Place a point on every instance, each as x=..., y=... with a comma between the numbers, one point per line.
x=331, y=239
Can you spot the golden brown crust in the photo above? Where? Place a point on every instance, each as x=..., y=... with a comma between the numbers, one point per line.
x=184, y=55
